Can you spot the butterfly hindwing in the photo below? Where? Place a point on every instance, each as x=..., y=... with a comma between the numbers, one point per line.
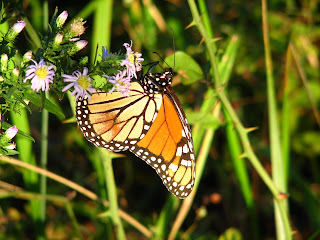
x=168, y=151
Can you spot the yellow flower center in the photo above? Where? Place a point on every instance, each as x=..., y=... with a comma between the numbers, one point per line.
x=84, y=82
x=42, y=72
x=131, y=58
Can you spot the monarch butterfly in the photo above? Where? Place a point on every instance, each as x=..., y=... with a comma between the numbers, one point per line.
x=150, y=122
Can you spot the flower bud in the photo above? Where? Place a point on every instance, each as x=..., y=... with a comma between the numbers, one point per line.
x=57, y=41
x=11, y=146
x=19, y=26
x=15, y=72
x=15, y=30
x=81, y=44
x=11, y=132
x=26, y=58
x=77, y=47
x=61, y=19
x=28, y=55
x=4, y=62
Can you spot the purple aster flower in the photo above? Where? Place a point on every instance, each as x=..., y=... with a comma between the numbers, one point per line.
x=121, y=82
x=81, y=83
x=132, y=62
x=40, y=74
x=105, y=53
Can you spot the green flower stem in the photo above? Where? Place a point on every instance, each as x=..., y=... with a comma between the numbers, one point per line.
x=243, y=133
x=43, y=163
x=207, y=40
x=241, y=130
x=283, y=229
x=206, y=21
x=286, y=112
x=248, y=152
x=112, y=193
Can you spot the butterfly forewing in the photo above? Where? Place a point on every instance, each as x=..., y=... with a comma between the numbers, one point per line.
x=116, y=122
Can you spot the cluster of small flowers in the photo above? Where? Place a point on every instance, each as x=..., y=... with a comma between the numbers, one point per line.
x=42, y=74
x=9, y=37
x=121, y=80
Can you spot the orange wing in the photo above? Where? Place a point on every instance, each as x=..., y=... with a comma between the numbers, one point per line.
x=169, y=151
x=153, y=127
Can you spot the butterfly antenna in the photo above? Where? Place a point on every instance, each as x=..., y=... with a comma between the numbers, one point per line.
x=157, y=62
x=162, y=61
x=152, y=64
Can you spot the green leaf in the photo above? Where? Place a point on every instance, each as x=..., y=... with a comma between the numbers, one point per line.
x=307, y=143
x=231, y=234
x=11, y=152
x=186, y=67
x=18, y=98
x=36, y=99
x=6, y=125
x=206, y=120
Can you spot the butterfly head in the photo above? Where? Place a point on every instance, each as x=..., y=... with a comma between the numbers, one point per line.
x=157, y=82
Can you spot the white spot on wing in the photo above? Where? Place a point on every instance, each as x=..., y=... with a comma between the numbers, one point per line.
x=184, y=163
x=179, y=151
x=163, y=167
x=173, y=167
x=185, y=149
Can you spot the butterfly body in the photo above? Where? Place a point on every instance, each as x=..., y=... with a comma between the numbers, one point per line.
x=150, y=122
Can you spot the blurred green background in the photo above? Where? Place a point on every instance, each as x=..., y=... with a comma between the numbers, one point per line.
x=219, y=204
